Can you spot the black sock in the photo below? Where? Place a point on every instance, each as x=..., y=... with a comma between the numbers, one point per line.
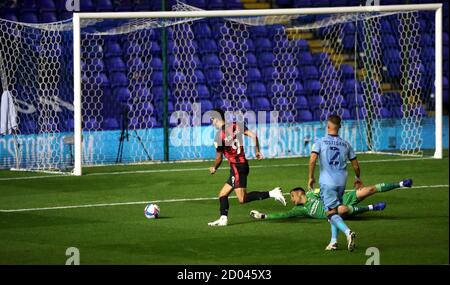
x=224, y=205
x=252, y=196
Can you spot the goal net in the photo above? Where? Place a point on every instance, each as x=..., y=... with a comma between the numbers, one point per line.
x=143, y=78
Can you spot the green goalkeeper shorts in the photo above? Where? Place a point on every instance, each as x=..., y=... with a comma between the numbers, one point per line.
x=350, y=198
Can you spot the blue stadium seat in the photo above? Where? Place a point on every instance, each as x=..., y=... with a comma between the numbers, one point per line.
x=211, y=59
x=29, y=17
x=200, y=76
x=349, y=42
x=301, y=103
x=250, y=45
x=320, y=114
x=91, y=124
x=426, y=40
x=304, y=116
x=197, y=3
x=258, y=31
x=312, y=87
x=207, y=46
x=297, y=88
x=274, y=89
x=10, y=16
x=118, y=79
x=269, y=73
x=266, y=59
x=263, y=45
x=95, y=64
x=351, y=86
x=113, y=48
x=233, y=5
x=46, y=5
x=116, y=64
x=257, y=89
x=315, y=101
x=321, y=58
x=202, y=91
x=321, y=3
x=202, y=31
x=309, y=72
x=156, y=63
x=253, y=74
x=215, y=5
x=305, y=58
x=286, y=116
x=251, y=60
x=104, y=6
x=87, y=6
x=359, y=113
x=386, y=26
x=142, y=92
x=206, y=105
x=354, y=100
x=122, y=94
x=213, y=76
x=155, y=48
x=349, y=28
x=346, y=114
x=385, y=113
x=275, y=29
x=261, y=104
x=157, y=78
x=28, y=6
x=347, y=71
x=302, y=45
x=110, y=124
x=124, y=6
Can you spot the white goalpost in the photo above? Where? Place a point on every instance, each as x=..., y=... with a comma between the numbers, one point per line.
x=113, y=88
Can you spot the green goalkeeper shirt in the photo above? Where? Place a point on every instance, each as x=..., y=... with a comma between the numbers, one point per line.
x=313, y=208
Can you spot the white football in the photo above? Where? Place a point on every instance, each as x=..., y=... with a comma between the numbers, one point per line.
x=151, y=211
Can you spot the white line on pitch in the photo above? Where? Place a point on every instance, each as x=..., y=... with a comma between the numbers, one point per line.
x=145, y=202
x=197, y=169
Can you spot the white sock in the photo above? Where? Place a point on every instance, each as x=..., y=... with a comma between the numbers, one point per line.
x=272, y=193
x=370, y=207
x=401, y=184
x=224, y=217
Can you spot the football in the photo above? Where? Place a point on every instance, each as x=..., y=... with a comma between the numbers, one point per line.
x=151, y=211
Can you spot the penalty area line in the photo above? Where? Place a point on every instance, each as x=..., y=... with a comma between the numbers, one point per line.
x=155, y=201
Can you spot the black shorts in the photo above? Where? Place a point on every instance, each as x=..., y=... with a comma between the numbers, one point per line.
x=238, y=175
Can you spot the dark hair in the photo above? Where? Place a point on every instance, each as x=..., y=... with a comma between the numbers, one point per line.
x=298, y=189
x=335, y=119
x=218, y=114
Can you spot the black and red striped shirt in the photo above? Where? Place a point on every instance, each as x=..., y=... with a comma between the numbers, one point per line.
x=230, y=141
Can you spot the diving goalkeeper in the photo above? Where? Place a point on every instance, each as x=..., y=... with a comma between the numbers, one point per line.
x=308, y=204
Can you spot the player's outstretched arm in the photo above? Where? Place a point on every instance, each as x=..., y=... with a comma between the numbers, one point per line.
x=251, y=134
x=217, y=163
x=358, y=183
x=297, y=211
x=312, y=166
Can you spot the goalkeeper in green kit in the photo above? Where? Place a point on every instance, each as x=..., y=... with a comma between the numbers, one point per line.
x=308, y=204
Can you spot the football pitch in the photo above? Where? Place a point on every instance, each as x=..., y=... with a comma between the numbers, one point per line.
x=101, y=214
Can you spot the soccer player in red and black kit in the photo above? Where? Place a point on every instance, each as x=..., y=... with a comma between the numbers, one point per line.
x=229, y=141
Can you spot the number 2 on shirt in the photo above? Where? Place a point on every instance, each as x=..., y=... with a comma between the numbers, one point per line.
x=334, y=156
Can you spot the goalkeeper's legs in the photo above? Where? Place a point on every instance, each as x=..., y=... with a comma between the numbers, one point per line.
x=365, y=192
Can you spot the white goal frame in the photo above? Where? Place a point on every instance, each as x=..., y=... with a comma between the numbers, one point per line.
x=77, y=17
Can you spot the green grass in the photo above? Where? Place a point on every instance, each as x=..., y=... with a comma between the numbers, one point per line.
x=413, y=229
